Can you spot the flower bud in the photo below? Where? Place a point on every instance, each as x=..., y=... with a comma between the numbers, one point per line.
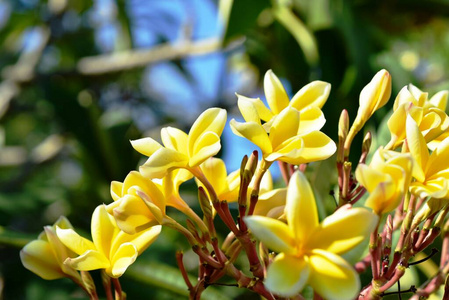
x=204, y=203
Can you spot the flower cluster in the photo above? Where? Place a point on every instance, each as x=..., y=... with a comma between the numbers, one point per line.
x=296, y=246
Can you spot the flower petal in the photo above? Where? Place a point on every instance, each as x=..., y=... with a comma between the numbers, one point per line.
x=262, y=112
x=317, y=146
x=206, y=146
x=213, y=120
x=287, y=275
x=90, y=260
x=175, y=139
x=162, y=161
x=103, y=229
x=418, y=148
x=125, y=255
x=116, y=190
x=132, y=215
x=332, y=277
x=146, y=146
x=275, y=234
x=37, y=256
x=275, y=93
x=311, y=119
x=74, y=241
x=300, y=209
x=314, y=94
x=253, y=132
x=343, y=230
x=284, y=127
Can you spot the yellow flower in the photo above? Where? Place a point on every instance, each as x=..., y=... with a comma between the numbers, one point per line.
x=182, y=150
x=46, y=255
x=387, y=178
x=308, y=100
x=428, y=114
x=286, y=140
x=111, y=249
x=431, y=172
x=309, y=251
x=226, y=186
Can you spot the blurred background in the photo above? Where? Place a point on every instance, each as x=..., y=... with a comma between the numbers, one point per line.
x=81, y=78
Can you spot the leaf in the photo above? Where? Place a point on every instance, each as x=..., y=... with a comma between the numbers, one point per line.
x=14, y=239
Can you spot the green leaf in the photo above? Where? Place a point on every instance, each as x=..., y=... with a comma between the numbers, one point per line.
x=14, y=239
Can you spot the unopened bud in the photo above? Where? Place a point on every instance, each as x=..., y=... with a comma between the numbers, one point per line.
x=251, y=165
x=191, y=227
x=88, y=283
x=343, y=125
x=204, y=203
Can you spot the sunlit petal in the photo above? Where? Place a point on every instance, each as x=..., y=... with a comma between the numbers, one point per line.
x=248, y=109
x=317, y=146
x=332, y=277
x=163, y=161
x=146, y=146
x=253, y=132
x=125, y=255
x=74, y=241
x=273, y=233
x=90, y=260
x=174, y=139
x=311, y=119
x=116, y=190
x=285, y=126
x=262, y=111
x=207, y=145
x=275, y=93
x=343, y=230
x=418, y=148
x=103, y=229
x=287, y=275
x=213, y=120
x=300, y=209
x=314, y=94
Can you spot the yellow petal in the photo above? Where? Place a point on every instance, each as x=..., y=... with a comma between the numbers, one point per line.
x=126, y=254
x=343, y=230
x=90, y=260
x=269, y=200
x=162, y=161
x=314, y=94
x=206, y=146
x=287, y=275
x=332, y=277
x=284, y=127
x=369, y=177
x=74, y=241
x=275, y=93
x=60, y=251
x=374, y=95
x=300, y=209
x=145, y=238
x=439, y=100
x=317, y=146
x=253, y=132
x=116, y=190
x=418, y=148
x=263, y=112
x=146, y=146
x=436, y=188
x=311, y=119
x=174, y=139
x=132, y=215
x=289, y=151
x=213, y=120
x=275, y=234
x=37, y=256
x=134, y=180
x=438, y=160
x=103, y=229
x=215, y=171
x=248, y=109
x=383, y=198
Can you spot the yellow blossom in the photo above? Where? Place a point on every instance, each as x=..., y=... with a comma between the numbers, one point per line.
x=46, y=255
x=309, y=251
x=110, y=249
x=286, y=140
x=308, y=100
x=387, y=179
x=431, y=171
x=429, y=114
x=182, y=150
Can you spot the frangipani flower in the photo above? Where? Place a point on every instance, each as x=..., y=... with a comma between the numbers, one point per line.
x=428, y=114
x=46, y=255
x=112, y=249
x=286, y=140
x=140, y=203
x=226, y=186
x=309, y=251
x=182, y=150
x=431, y=172
x=387, y=179
x=308, y=100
